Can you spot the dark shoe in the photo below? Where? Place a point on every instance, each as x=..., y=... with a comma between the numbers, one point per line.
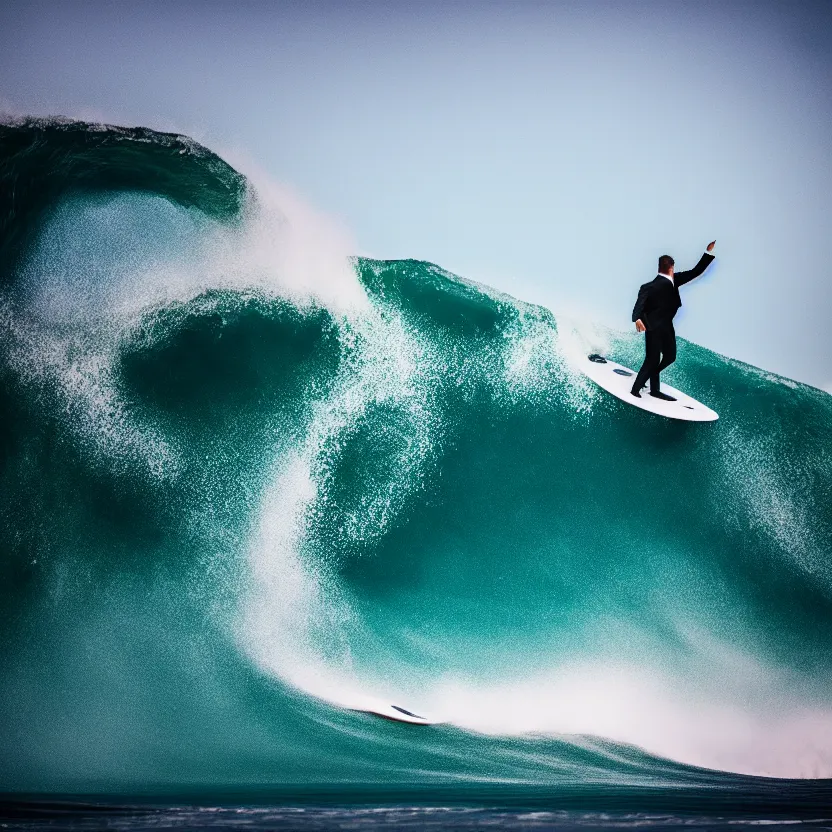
x=635, y=393
x=663, y=396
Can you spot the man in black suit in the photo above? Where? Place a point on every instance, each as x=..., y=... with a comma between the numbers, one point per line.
x=657, y=305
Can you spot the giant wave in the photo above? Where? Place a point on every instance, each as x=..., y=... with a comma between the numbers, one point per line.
x=249, y=481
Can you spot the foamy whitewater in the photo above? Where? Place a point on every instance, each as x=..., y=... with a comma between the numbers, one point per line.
x=251, y=483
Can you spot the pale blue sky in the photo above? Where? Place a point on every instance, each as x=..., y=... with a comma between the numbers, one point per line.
x=552, y=150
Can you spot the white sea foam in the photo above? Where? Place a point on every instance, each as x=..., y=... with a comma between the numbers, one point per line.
x=666, y=716
x=100, y=264
x=295, y=620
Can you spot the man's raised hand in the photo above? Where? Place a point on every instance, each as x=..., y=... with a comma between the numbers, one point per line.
x=640, y=327
x=710, y=247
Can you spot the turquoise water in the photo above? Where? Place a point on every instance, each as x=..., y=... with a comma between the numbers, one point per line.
x=249, y=484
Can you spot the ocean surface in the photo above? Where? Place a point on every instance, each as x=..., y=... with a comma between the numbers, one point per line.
x=251, y=485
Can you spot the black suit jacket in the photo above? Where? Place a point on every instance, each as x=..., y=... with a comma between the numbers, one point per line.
x=659, y=300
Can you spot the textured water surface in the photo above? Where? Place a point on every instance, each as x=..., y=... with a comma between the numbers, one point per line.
x=250, y=485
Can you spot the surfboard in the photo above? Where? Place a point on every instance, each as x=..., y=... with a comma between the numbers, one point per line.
x=618, y=380
x=394, y=712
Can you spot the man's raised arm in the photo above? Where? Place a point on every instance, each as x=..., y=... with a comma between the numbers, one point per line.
x=680, y=278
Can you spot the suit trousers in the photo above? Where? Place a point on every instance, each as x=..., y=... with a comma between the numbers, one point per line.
x=660, y=346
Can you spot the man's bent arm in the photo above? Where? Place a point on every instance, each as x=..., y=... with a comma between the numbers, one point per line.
x=638, y=309
x=680, y=278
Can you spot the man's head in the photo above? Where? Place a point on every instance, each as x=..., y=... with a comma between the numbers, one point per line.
x=666, y=264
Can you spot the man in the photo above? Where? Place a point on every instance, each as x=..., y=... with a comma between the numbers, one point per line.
x=657, y=305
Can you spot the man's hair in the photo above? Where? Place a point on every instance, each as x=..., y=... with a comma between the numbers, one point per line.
x=665, y=262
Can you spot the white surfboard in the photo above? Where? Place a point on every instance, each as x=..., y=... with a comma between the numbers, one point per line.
x=394, y=712
x=618, y=380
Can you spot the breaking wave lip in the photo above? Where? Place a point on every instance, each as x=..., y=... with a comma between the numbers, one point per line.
x=298, y=620
x=65, y=322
